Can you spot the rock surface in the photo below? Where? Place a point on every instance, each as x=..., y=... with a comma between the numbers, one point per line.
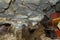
x=25, y=9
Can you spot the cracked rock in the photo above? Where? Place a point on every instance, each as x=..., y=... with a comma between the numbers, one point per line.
x=10, y=11
x=4, y=5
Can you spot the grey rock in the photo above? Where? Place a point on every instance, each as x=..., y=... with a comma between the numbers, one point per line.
x=5, y=1
x=32, y=1
x=53, y=2
x=32, y=6
x=58, y=7
x=21, y=16
x=37, y=18
x=4, y=4
x=24, y=9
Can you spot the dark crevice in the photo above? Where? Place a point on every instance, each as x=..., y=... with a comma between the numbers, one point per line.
x=31, y=31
